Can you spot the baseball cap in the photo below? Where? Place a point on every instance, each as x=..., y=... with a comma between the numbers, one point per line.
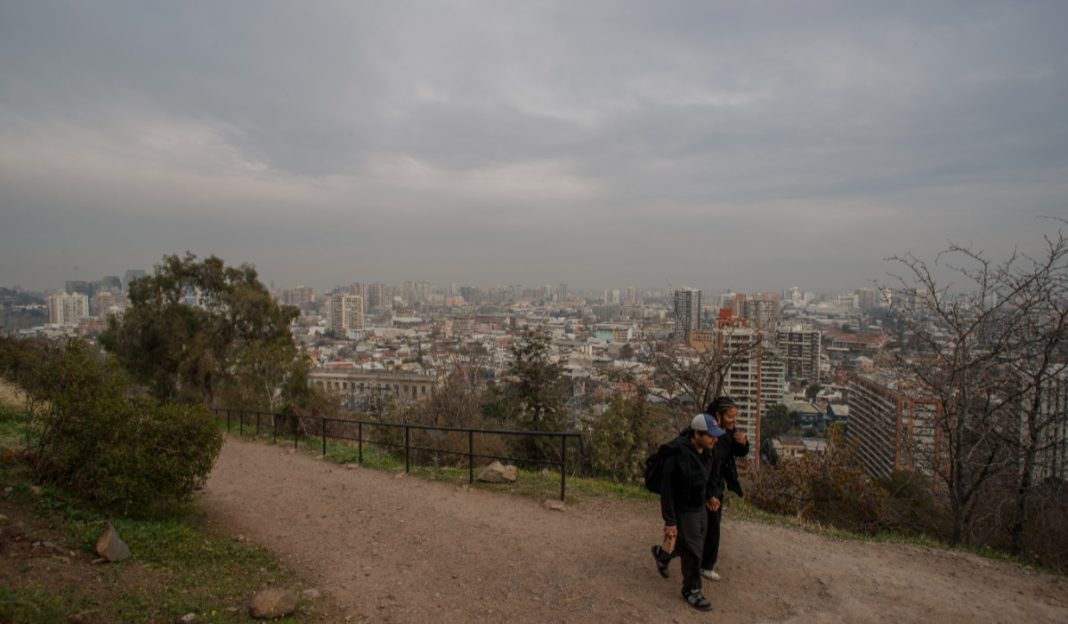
x=707, y=424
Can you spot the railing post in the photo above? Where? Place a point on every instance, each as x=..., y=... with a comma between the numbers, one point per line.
x=470, y=456
x=296, y=430
x=241, y=416
x=323, y=420
x=227, y=421
x=563, y=465
x=257, y=424
x=407, y=448
x=274, y=428
x=359, y=442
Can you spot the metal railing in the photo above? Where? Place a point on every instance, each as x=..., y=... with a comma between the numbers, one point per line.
x=293, y=426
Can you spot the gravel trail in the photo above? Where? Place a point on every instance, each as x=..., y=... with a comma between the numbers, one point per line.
x=395, y=549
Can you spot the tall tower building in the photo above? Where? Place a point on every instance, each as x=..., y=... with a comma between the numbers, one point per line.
x=376, y=296
x=800, y=345
x=755, y=378
x=67, y=308
x=762, y=310
x=687, y=313
x=894, y=429
x=346, y=312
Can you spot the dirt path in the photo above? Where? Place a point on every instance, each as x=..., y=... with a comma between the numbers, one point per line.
x=392, y=549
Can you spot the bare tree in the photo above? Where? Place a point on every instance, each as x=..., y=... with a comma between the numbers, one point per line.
x=984, y=343
x=688, y=376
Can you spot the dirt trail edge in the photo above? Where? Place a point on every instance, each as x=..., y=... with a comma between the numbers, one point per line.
x=393, y=549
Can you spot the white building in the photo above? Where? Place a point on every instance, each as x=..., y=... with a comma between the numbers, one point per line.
x=67, y=309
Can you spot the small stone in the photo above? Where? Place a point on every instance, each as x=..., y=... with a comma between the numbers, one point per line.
x=36, y=490
x=400, y=475
x=545, y=472
x=352, y=466
x=3, y=519
x=272, y=603
x=310, y=594
x=190, y=618
x=554, y=505
x=111, y=547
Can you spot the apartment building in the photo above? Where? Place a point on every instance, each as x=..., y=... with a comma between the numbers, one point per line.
x=894, y=427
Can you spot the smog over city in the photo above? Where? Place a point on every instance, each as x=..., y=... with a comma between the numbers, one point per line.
x=603, y=144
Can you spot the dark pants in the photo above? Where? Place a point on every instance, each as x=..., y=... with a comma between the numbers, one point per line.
x=692, y=526
x=711, y=550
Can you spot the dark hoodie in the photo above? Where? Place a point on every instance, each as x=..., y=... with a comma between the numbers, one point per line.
x=686, y=478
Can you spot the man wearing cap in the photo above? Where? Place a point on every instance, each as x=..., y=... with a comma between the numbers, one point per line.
x=732, y=444
x=683, y=494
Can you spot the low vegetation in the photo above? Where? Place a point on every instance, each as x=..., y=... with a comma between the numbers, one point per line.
x=178, y=566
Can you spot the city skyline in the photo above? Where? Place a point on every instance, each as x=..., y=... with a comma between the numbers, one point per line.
x=623, y=144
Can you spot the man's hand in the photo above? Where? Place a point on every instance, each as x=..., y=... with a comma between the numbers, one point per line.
x=671, y=531
x=713, y=504
x=739, y=437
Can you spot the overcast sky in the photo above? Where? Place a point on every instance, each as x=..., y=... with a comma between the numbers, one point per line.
x=747, y=145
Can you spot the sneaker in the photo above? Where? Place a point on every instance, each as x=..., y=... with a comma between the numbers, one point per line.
x=697, y=600
x=711, y=575
x=661, y=565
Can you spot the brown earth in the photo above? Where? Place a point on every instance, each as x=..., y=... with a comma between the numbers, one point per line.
x=393, y=549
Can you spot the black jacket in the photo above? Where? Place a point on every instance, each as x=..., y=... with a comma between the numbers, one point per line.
x=686, y=477
x=730, y=468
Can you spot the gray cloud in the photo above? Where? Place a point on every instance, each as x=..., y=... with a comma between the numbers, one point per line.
x=744, y=145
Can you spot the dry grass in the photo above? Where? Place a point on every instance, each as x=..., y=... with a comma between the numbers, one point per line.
x=10, y=395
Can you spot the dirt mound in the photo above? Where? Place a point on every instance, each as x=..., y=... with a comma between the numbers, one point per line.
x=392, y=549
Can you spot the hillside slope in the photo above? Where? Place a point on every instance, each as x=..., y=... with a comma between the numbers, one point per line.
x=393, y=549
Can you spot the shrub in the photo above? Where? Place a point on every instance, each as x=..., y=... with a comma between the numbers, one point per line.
x=826, y=488
x=132, y=457
x=622, y=437
x=912, y=507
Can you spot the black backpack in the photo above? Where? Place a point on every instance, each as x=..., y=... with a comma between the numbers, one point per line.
x=654, y=468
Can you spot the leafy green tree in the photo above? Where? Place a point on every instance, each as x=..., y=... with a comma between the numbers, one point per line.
x=535, y=383
x=194, y=326
x=776, y=422
x=532, y=396
x=624, y=435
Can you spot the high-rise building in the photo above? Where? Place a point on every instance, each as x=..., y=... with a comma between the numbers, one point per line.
x=867, y=298
x=104, y=302
x=110, y=282
x=299, y=296
x=376, y=297
x=130, y=276
x=761, y=310
x=67, y=308
x=346, y=312
x=894, y=429
x=77, y=286
x=800, y=346
x=755, y=377
x=687, y=313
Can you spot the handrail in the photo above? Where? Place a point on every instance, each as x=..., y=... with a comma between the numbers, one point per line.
x=564, y=436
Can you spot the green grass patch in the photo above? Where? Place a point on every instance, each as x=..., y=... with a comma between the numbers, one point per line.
x=177, y=566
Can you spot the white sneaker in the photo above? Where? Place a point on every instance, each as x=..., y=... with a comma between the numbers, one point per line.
x=711, y=575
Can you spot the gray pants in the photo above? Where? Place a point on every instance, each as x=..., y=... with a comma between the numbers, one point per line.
x=691, y=542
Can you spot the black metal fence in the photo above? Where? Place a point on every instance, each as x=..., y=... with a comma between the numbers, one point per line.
x=354, y=431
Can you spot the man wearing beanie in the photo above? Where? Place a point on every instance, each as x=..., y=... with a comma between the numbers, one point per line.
x=682, y=501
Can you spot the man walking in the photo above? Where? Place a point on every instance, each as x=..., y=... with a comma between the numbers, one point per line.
x=724, y=470
x=683, y=494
